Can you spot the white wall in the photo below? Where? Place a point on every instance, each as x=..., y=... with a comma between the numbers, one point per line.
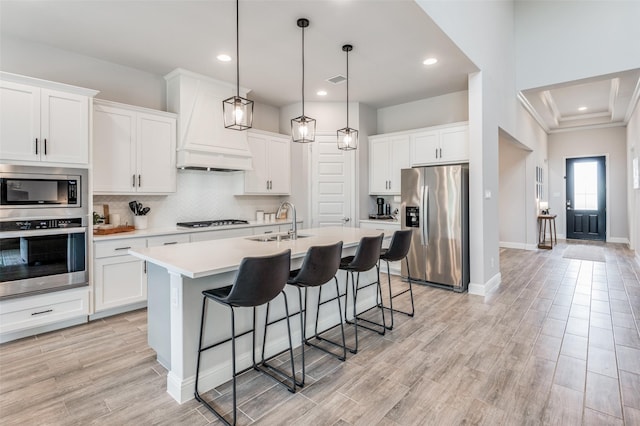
x=484, y=31
x=611, y=141
x=449, y=108
x=115, y=82
x=513, y=193
x=633, y=195
x=560, y=41
x=200, y=195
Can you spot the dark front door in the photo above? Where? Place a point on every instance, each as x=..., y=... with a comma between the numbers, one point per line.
x=586, y=198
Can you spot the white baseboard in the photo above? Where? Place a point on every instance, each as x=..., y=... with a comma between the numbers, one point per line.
x=531, y=247
x=638, y=257
x=507, y=244
x=484, y=289
x=118, y=310
x=618, y=240
x=14, y=335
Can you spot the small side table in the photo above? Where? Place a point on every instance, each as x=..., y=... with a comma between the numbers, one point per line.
x=543, y=220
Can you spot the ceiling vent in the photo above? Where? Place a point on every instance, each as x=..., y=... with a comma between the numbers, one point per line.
x=337, y=79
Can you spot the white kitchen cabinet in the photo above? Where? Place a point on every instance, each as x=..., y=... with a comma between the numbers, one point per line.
x=134, y=150
x=388, y=156
x=119, y=279
x=220, y=234
x=271, y=161
x=440, y=145
x=388, y=228
x=46, y=125
x=26, y=316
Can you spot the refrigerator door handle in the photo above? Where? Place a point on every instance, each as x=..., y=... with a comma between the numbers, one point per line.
x=425, y=214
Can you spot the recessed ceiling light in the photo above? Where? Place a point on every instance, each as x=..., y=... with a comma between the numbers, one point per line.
x=223, y=58
x=430, y=61
x=582, y=108
x=322, y=93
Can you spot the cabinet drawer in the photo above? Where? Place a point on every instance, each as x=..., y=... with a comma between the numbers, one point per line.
x=271, y=229
x=165, y=240
x=117, y=247
x=223, y=233
x=34, y=311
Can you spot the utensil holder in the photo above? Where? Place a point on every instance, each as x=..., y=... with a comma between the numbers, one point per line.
x=140, y=222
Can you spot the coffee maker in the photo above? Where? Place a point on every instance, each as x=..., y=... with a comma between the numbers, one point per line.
x=380, y=202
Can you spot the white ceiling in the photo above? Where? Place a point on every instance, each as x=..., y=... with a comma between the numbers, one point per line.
x=605, y=101
x=391, y=38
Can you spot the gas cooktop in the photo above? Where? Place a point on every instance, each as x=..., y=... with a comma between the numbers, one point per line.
x=206, y=223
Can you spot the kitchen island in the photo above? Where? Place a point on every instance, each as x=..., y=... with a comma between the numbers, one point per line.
x=177, y=275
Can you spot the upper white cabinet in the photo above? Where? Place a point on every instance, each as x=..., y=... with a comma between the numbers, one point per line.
x=203, y=141
x=43, y=122
x=387, y=156
x=134, y=150
x=440, y=145
x=271, y=160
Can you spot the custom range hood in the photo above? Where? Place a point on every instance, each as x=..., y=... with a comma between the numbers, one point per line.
x=203, y=142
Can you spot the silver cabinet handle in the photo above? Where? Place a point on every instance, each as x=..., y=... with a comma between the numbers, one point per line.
x=133, y=182
x=139, y=181
x=122, y=248
x=36, y=146
x=170, y=243
x=42, y=312
x=440, y=152
x=45, y=146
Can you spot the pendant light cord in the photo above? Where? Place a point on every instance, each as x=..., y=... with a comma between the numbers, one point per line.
x=238, y=48
x=302, y=71
x=347, y=89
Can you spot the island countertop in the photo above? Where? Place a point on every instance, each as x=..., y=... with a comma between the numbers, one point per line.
x=205, y=258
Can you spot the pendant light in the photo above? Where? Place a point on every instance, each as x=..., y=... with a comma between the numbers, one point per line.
x=347, y=137
x=237, y=111
x=303, y=128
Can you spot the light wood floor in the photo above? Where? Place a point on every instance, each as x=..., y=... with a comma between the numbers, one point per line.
x=557, y=343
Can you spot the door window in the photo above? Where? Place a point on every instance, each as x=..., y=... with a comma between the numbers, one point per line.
x=585, y=186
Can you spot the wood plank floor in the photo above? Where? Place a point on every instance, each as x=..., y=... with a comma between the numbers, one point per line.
x=557, y=343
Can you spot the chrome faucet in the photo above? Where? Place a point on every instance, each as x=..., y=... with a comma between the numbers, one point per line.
x=293, y=233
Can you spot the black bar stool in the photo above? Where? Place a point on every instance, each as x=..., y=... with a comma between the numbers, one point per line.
x=318, y=267
x=259, y=281
x=366, y=258
x=398, y=250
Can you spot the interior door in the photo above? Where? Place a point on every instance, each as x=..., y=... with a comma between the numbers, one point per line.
x=332, y=183
x=586, y=198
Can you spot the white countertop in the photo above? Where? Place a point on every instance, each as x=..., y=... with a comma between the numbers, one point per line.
x=152, y=232
x=200, y=259
x=390, y=221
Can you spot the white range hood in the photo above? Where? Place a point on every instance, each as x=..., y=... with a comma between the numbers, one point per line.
x=203, y=141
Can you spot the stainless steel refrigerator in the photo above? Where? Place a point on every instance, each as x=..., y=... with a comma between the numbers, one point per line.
x=435, y=205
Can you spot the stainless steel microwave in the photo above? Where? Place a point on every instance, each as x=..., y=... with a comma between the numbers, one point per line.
x=27, y=190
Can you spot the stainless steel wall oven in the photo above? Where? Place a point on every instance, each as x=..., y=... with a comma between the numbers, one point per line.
x=43, y=230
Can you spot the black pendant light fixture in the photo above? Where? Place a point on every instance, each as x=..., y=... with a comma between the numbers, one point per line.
x=303, y=128
x=347, y=137
x=237, y=111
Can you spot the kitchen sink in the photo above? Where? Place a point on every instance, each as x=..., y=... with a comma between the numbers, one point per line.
x=274, y=237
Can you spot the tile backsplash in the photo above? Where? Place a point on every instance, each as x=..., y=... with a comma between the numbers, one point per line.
x=200, y=196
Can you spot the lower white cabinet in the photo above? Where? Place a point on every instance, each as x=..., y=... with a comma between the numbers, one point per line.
x=388, y=228
x=118, y=278
x=29, y=315
x=218, y=235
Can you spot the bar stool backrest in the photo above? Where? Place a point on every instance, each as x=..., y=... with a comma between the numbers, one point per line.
x=260, y=279
x=320, y=264
x=399, y=247
x=367, y=254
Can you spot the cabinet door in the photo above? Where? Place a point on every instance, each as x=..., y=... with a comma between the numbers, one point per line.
x=156, y=153
x=64, y=130
x=119, y=281
x=425, y=148
x=400, y=150
x=114, y=150
x=256, y=180
x=379, y=167
x=19, y=122
x=455, y=144
x=279, y=159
